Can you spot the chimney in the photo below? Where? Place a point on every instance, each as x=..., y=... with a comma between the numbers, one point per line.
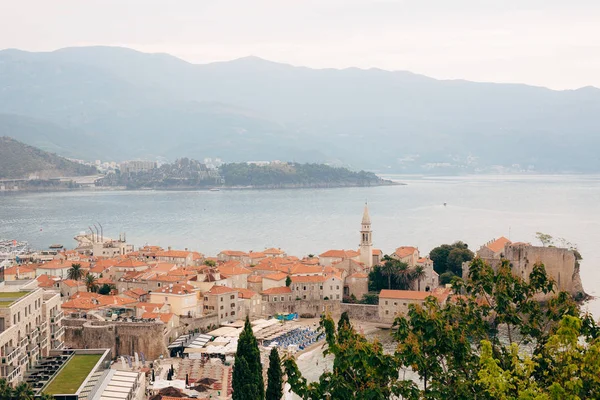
x=169, y=248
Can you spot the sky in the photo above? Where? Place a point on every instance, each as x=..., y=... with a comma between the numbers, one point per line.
x=552, y=43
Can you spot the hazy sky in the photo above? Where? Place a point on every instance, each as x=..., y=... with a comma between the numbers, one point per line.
x=554, y=43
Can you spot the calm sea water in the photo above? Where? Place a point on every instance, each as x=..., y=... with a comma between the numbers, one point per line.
x=300, y=221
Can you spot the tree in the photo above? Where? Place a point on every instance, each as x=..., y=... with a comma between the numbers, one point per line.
x=23, y=392
x=75, y=272
x=288, y=281
x=210, y=263
x=247, y=381
x=91, y=283
x=544, y=238
x=418, y=275
x=370, y=298
x=404, y=276
x=443, y=261
x=105, y=289
x=446, y=277
x=360, y=371
x=275, y=383
x=6, y=391
x=456, y=258
x=389, y=269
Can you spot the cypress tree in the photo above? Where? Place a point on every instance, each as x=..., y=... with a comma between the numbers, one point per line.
x=247, y=376
x=275, y=384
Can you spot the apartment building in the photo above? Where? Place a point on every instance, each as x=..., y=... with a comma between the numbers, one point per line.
x=221, y=300
x=30, y=326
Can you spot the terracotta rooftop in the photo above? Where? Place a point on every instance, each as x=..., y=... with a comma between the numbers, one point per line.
x=245, y=293
x=276, y=276
x=21, y=269
x=164, y=317
x=46, y=281
x=234, y=253
x=340, y=254
x=498, y=244
x=72, y=283
x=179, y=288
x=130, y=263
x=233, y=268
x=255, y=279
x=274, y=251
x=220, y=290
x=277, y=290
x=308, y=279
x=405, y=251
x=358, y=275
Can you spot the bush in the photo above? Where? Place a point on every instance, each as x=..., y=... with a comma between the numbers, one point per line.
x=446, y=277
x=307, y=315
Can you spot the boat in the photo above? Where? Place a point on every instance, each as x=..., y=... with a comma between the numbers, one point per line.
x=445, y=204
x=55, y=246
x=214, y=189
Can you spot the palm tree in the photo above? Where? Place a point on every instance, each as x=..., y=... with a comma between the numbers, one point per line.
x=23, y=392
x=6, y=391
x=91, y=283
x=418, y=274
x=389, y=269
x=404, y=276
x=45, y=396
x=75, y=272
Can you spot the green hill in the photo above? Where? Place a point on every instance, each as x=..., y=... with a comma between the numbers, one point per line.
x=18, y=160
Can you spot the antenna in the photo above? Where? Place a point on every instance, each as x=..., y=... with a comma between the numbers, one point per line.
x=91, y=230
x=101, y=233
x=97, y=232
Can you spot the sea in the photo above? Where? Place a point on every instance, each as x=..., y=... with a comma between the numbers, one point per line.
x=424, y=212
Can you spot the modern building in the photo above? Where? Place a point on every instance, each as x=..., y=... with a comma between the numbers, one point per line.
x=30, y=326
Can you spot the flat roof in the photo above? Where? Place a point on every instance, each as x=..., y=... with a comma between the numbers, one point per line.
x=73, y=374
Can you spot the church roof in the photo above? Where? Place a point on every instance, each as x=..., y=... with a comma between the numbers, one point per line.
x=366, y=220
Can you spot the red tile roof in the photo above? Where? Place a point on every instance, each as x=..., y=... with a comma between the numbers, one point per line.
x=245, y=293
x=405, y=251
x=403, y=294
x=276, y=276
x=179, y=288
x=220, y=290
x=498, y=244
x=308, y=279
x=340, y=254
x=277, y=290
x=234, y=253
x=255, y=279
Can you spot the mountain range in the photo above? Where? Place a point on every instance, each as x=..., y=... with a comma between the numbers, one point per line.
x=115, y=104
x=21, y=161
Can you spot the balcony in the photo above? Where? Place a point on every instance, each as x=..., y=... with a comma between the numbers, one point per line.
x=34, y=351
x=23, y=359
x=33, y=335
x=14, y=372
x=23, y=342
x=58, y=345
x=43, y=326
x=58, y=332
x=11, y=354
x=56, y=318
x=44, y=342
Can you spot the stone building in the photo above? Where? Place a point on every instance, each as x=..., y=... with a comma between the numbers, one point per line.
x=393, y=303
x=30, y=326
x=356, y=284
x=182, y=298
x=223, y=301
x=366, y=240
x=561, y=264
x=323, y=287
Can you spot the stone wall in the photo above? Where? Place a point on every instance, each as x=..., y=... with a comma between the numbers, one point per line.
x=202, y=323
x=315, y=307
x=362, y=312
x=123, y=338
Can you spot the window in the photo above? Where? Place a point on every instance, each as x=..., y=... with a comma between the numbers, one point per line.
x=274, y=298
x=304, y=297
x=403, y=304
x=321, y=287
x=166, y=299
x=226, y=314
x=206, y=299
x=232, y=305
x=337, y=296
x=221, y=307
x=387, y=312
x=232, y=297
x=304, y=287
x=221, y=299
x=232, y=313
x=386, y=302
x=395, y=303
x=338, y=287
x=158, y=284
x=282, y=298
x=330, y=287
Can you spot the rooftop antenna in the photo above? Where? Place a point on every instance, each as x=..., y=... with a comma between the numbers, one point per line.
x=97, y=232
x=101, y=233
x=91, y=230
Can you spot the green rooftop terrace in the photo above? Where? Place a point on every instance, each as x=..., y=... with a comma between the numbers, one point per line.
x=7, y=298
x=72, y=375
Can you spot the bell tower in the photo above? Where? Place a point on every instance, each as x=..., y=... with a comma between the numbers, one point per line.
x=366, y=239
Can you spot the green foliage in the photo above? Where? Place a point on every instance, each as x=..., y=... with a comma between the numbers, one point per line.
x=545, y=239
x=446, y=277
x=295, y=174
x=370, y=298
x=288, y=281
x=75, y=272
x=18, y=160
x=91, y=283
x=105, y=289
x=361, y=370
x=248, y=381
x=393, y=274
x=449, y=257
x=275, y=375
x=210, y=263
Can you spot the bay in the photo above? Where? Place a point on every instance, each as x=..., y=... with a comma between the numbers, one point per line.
x=303, y=221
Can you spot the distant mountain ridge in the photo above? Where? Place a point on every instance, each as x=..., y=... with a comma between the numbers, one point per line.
x=136, y=105
x=20, y=161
